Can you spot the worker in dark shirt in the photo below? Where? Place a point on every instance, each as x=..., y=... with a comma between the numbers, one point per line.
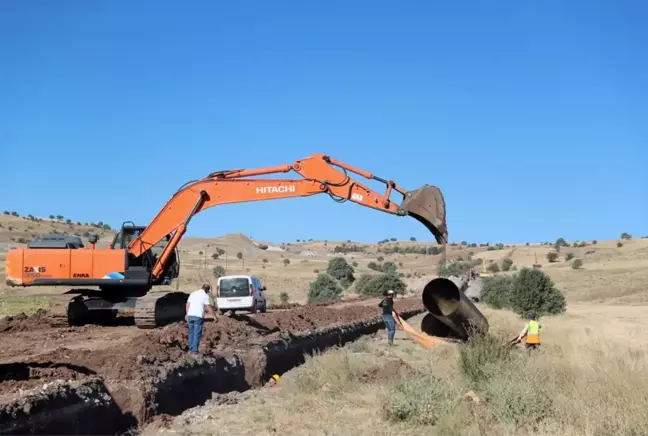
x=387, y=305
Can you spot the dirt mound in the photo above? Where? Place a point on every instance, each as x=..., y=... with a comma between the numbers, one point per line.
x=42, y=319
x=392, y=370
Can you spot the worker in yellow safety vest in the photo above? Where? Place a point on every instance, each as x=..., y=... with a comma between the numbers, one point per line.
x=532, y=332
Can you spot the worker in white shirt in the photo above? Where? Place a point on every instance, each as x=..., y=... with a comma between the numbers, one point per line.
x=197, y=304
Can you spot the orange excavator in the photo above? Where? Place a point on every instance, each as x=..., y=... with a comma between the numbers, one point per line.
x=140, y=258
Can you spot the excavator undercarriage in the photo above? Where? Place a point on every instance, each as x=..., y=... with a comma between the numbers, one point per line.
x=141, y=258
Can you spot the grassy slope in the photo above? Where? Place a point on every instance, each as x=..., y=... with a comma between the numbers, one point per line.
x=609, y=273
x=587, y=380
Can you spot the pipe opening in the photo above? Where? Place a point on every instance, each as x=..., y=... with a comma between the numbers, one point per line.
x=434, y=327
x=441, y=296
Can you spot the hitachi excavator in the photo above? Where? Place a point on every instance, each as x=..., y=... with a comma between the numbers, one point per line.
x=140, y=258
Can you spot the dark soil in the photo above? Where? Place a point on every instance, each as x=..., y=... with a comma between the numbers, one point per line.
x=125, y=353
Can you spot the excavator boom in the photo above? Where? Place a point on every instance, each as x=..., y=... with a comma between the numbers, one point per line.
x=131, y=266
x=320, y=176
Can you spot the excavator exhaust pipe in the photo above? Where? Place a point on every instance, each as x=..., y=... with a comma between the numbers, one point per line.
x=427, y=205
x=448, y=305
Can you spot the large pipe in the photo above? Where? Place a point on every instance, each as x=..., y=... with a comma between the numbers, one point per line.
x=447, y=302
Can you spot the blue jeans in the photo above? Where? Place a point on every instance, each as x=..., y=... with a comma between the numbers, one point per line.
x=390, y=323
x=195, y=332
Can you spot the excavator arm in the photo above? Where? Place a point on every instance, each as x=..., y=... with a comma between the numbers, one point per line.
x=320, y=175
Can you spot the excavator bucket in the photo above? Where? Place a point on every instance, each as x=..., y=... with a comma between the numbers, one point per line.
x=427, y=206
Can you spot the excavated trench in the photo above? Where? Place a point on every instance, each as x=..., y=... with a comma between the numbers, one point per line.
x=115, y=389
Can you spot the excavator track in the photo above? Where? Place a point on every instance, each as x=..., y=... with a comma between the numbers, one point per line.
x=157, y=309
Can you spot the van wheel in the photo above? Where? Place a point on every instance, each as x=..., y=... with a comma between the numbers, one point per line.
x=254, y=307
x=264, y=309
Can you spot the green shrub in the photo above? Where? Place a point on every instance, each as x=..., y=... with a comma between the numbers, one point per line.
x=339, y=269
x=286, y=261
x=493, y=267
x=534, y=291
x=324, y=288
x=569, y=256
x=480, y=356
x=577, y=264
x=420, y=401
x=507, y=264
x=619, y=244
x=497, y=291
x=218, y=271
x=552, y=256
x=284, y=297
x=377, y=285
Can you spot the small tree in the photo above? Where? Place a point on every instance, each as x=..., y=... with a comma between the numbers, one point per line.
x=339, y=269
x=626, y=235
x=552, y=256
x=576, y=264
x=378, y=285
x=493, y=268
x=52, y=217
x=569, y=256
x=507, y=264
x=380, y=258
x=214, y=256
x=619, y=244
x=265, y=260
x=413, y=239
x=59, y=217
x=355, y=264
x=497, y=291
x=286, y=261
x=239, y=255
x=594, y=242
x=284, y=297
x=324, y=288
x=534, y=291
x=388, y=267
x=218, y=271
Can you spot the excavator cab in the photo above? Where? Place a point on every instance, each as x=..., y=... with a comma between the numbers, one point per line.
x=128, y=232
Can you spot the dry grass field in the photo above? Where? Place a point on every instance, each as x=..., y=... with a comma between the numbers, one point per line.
x=588, y=379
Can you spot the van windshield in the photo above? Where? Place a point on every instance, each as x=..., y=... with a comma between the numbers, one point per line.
x=235, y=287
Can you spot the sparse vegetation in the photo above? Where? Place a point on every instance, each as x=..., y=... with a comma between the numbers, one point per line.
x=493, y=268
x=339, y=269
x=619, y=244
x=569, y=256
x=577, y=264
x=286, y=261
x=507, y=264
x=284, y=297
x=324, y=288
x=379, y=284
x=626, y=236
x=456, y=268
x=218, y=271
x=528, y=290
x=552, y=256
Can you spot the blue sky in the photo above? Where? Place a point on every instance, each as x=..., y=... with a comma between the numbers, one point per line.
x=531, y=116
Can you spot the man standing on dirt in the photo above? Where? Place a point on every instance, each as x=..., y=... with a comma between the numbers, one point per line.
x=197, y=303
x=387, y=305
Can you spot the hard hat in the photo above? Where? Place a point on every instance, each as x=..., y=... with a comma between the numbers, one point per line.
x=390, y=292
x=275, y=377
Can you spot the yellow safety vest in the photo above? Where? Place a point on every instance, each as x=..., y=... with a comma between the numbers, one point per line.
x=533, y=333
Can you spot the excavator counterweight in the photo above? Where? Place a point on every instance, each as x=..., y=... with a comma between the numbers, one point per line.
x=141, y=258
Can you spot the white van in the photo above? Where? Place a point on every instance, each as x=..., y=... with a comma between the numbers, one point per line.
x=240, y=293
